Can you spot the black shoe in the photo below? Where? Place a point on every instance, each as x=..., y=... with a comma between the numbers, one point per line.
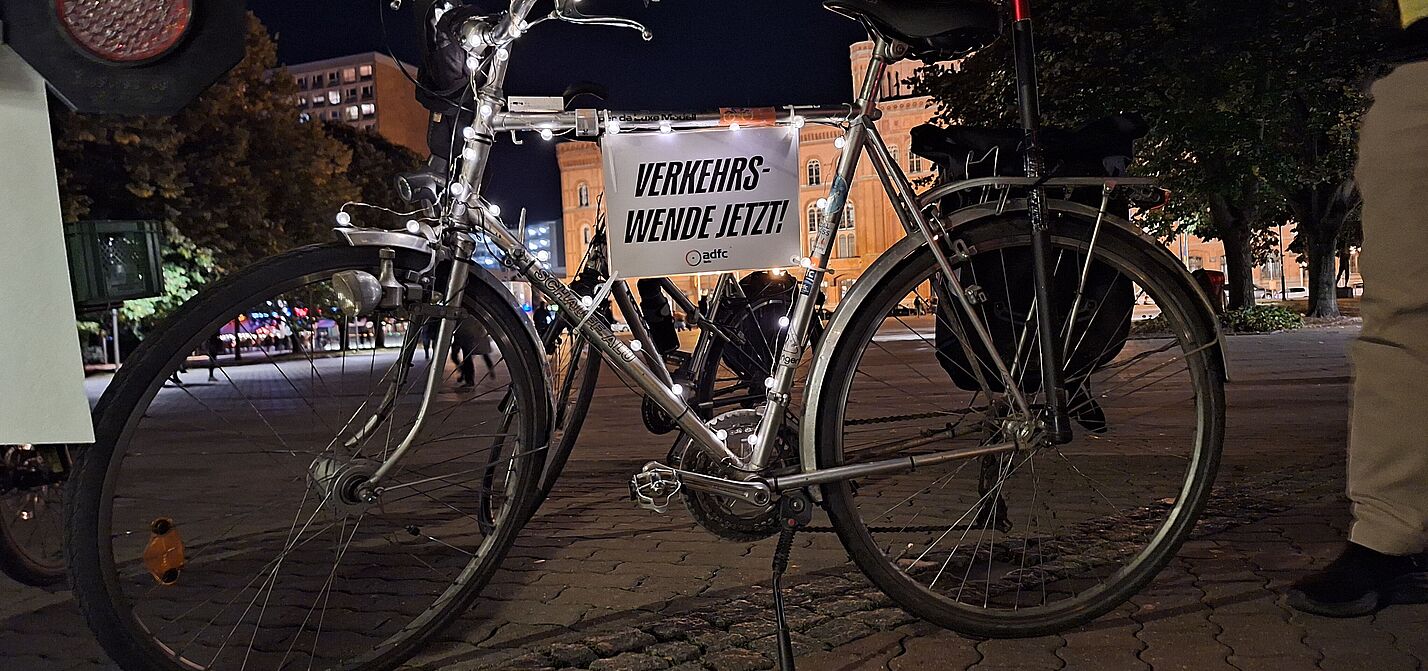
x=1360, y=582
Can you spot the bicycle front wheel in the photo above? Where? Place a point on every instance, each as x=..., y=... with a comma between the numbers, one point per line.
x=1038, y=540
x=220, y=523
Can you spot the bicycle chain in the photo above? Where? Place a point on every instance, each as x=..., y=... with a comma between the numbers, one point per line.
x=894, y=418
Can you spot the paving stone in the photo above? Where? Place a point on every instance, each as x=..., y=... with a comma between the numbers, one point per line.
x=838, y=632
x=675, y=652
x=621, y=641
x=630, y=661
x=735, y=659
x=572, y=654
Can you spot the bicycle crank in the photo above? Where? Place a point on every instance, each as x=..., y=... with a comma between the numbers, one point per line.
x=656, y=484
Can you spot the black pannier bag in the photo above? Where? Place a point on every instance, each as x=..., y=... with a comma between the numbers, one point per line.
x=1099, y=149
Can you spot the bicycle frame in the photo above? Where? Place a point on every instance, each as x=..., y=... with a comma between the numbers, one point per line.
x=471, y=213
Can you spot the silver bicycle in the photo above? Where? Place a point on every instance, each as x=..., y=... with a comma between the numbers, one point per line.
x=1019, y=461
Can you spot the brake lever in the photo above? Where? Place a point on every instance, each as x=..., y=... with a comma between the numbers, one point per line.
x=567, y=12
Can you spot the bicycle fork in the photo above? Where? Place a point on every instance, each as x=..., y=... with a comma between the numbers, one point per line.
x=1049, y=346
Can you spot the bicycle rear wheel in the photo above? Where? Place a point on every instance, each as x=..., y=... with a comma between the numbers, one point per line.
x=1038, y=540
x=218, y=524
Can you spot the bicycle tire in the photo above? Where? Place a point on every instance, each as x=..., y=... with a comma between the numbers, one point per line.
x=1176, y=299
x=19, y=561
x=97, y=585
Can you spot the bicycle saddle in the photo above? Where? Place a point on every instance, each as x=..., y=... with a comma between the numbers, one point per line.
x=936, y=30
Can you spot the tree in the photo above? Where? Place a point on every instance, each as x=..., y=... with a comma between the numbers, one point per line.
x=1317, y=60
x=376, y=161
x=1213, y=78
x=235, y=173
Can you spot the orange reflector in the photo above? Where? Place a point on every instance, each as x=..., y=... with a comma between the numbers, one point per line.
x=164, y=555
x=748, y=116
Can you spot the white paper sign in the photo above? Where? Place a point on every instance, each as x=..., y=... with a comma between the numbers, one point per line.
x=702, y=202
x=41, y=374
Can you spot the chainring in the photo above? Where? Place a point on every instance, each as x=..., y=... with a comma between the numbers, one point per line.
x=724, y=517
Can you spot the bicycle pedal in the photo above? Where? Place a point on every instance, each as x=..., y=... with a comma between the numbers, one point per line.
x=655, y=486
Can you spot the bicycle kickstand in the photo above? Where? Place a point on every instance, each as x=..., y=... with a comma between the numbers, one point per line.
x=795, y=512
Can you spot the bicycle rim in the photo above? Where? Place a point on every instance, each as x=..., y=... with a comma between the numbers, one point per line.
x=218, y=527
x=1033, y=541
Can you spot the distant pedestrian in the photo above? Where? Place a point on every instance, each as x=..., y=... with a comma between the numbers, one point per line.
x=215, y=346
x=470, y=340
x=1385, y=560
x=429, y=331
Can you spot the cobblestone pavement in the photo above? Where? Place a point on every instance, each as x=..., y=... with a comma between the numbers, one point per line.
x=595, y=583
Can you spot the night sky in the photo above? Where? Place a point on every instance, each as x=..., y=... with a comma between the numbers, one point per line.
x=705, y=53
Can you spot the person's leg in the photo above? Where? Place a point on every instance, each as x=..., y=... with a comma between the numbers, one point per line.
x=1388, y=441
x=1388, y=434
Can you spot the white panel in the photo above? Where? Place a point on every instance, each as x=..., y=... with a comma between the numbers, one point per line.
x=41, y=375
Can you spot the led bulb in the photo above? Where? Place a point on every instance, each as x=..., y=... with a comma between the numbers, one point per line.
x=469, y=153
x=734, y=126
x=546, y=134
x=636, y=345
x=468, y=132
x=769, y=382
x=473, y=63
x=840, y=142
x=587, y=301
x=543, y=255
x=494, y=209
x=486, y=109
x=344, y=219
x=783, y=322
x=458, y=189
x=678, y=390
x=798, y=122
x=613, y=127
x=413, y=226
x=806, y=262
x=503, y=54
x=822, y=203
x=664, y=127
x=753, y=439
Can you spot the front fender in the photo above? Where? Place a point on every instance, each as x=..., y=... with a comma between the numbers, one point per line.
x=370, y=237
x=905, y=248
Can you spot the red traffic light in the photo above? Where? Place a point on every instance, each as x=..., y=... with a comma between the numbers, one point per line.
x=125, y=31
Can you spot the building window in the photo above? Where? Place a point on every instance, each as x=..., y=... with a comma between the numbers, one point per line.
x=349, y=75
x=585, y=234
x=301, y=82
x=331, y=78
x=915, y=164
x=847, y=245
x=302, y=101
x=847, y=242
x=352, y=113
x=582, y=195
x=332, y=115
x=352, y=93
x=304, y=117
x=815, y=172
x=334, y=97
x=368, y=109
x=367, y=92
x=1195, y=262
x=365, y=71
x=1272, y=270
x=815, y=217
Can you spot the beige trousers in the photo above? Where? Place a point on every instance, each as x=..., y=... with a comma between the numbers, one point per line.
x=1388, y=433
